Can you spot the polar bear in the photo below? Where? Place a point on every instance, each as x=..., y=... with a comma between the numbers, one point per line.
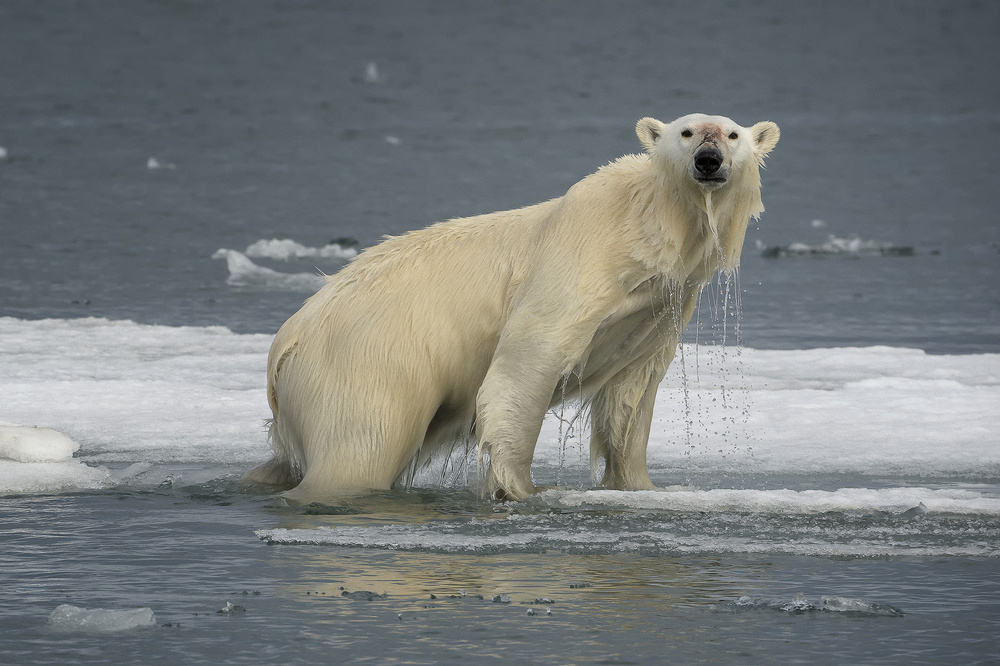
x=479, y=325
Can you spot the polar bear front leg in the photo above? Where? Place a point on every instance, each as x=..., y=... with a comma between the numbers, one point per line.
x=510, y=407
x=621, y=416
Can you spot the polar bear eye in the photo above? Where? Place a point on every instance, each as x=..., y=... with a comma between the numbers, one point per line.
x=687, y=134
x=733, y=136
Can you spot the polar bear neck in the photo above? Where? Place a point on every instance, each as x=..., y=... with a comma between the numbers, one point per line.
x=689, y=233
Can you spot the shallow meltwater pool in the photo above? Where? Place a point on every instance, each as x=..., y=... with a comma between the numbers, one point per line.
x=424, y=576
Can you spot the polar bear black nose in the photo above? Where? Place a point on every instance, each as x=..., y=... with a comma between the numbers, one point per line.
x=707, y=161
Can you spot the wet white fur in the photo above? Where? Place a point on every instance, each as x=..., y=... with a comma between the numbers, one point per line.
x=485, y=322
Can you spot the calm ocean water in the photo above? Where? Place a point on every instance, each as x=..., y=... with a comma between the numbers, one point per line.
x=139, y=138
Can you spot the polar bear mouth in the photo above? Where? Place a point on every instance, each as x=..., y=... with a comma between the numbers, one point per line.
x=710, y=182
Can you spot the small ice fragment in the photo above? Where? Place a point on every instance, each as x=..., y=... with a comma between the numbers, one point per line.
x=818, y=224
x=393, y=140
x=231, y=608
x=3, y=153
x=372, y=74
x=501, y=599
x=531, y=611
x=100, y=620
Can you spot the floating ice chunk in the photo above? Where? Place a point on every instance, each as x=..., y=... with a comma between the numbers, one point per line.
x=3, y=153
x=393, y=140
x=285, y=249
x=245, y=273
x=100, y=620
x=29, y=444
x=153, y=164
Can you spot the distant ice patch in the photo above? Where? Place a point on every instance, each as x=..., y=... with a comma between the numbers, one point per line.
x=154, y=164
x=834, y=245
x=372, y=74
x=285, y=249
x=245, y=273
x=100, y=620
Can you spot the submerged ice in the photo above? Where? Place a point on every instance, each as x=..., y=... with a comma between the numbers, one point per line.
x=100, y=620
x=827, y=604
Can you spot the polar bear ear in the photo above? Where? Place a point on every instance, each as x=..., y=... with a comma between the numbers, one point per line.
x=765, y=136
x=649, y=131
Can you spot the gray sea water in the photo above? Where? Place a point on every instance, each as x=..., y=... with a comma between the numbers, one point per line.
x=141, y=137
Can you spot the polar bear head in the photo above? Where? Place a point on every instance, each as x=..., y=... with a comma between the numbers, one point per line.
x=713, y=151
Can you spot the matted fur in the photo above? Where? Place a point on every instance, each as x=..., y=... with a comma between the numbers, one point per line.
x=485, y=322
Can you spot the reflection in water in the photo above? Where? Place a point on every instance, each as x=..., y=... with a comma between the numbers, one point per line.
x=607, y=585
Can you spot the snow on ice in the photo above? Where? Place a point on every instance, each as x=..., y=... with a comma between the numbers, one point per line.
x=134, y=397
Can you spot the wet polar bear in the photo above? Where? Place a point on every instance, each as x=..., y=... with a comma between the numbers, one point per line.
x=484, y=323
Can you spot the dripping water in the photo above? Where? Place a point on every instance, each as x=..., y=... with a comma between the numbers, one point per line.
x=569, y=427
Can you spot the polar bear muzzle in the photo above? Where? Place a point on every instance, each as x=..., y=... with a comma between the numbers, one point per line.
x=709, y=166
